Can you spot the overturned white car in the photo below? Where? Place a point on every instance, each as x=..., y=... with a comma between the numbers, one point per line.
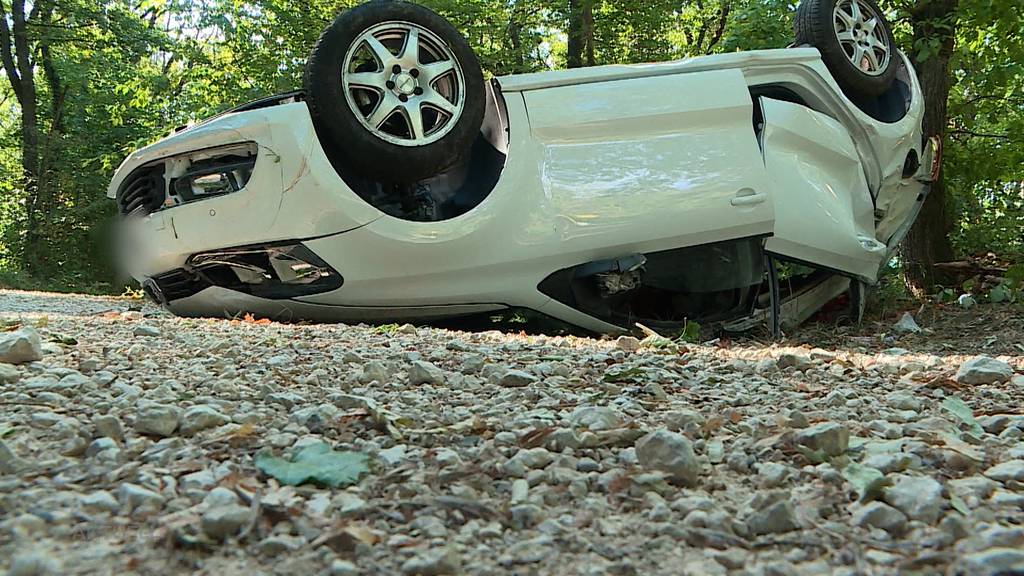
x=399, y=185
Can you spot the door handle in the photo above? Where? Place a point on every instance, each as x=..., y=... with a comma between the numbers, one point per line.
x=748, y=197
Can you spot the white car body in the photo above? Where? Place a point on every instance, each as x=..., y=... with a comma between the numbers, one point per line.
x=601, y=163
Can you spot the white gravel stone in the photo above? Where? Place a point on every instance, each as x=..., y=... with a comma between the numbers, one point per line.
x=147, y=331
x=919, y=497
x=829, y=437
x=596, y=418
x=984, y=370
x=994, y=562
x=434, y=562
x=224, y=522
x=157, y=420
x=775, y=518
x=627, y=344
x=101, y=501
x=1007, y=471
x=669, y=452
x=425, y=373
x=20, y=346
x=516, y=379
x=880, y=515
x=198, y=418
x=136, y=498
x=9, y=374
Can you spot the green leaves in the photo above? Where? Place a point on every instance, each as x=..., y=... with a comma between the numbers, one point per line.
x=868, y=482
x=963, y=413
x=316, y=464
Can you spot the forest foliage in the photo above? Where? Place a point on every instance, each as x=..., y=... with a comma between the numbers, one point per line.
x=110, y=76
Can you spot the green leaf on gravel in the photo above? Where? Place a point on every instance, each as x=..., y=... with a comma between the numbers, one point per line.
x=963, y=413
x=958, y=504
x=868, y=482
x=627, y=375
x=317, y=464
x=813, y=456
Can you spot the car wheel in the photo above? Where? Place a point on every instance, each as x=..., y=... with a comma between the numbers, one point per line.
x=855, y=41
x=394, y=90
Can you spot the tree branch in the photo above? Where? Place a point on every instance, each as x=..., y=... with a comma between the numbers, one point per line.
x=965, y=132
x=6, y=57
x=722, y=20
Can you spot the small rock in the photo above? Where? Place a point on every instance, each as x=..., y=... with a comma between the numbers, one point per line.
x=435, y=562
x=831, y=438
x=773, y=519
x=276, y=545
x=9, y=374
x=220, y=497
x=907, y=325
x=904, y=401
x=20, y=346
x=100, y=445
x=516, y=379
x=425, y=373
x=526, y=516
x=984, y=370
x=10, y=463
x=920, y=498
x=109, y=426
x=966, y=301
x=137, y=498
x=1007, y=471
x=798, y=361
x=520, y=491
x=223, y=522
x=31, y=563
x=669, y=452
x=157, y=420
x=994, y=561
x=772, y=474
x=627, y=344
x=532, y=459
x=100, y=500
x=375, y=371
x=341, y=567
x=202, y=417
x=879, y=515
x=596, y=418
x=148, y=331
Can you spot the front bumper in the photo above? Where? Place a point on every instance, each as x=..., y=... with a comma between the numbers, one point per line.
x=293, y=193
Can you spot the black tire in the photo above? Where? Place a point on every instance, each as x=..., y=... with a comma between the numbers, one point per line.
x=346, y=139
x=814, y=25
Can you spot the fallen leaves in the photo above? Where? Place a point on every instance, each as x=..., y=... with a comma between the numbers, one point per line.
x=316, y=464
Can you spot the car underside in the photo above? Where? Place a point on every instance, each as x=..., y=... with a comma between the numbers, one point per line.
x=734, y=190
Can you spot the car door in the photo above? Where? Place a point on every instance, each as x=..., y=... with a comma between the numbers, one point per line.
x=824, y=213
x=649, y=162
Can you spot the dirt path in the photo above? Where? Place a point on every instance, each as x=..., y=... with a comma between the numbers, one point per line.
x=131, y=448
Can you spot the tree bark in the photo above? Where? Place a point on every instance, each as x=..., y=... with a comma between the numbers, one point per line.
x=580, y=50
x=928, y=241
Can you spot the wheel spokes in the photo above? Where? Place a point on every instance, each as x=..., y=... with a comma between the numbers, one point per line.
x=373, y=80
x=385, y=108
x=428, y=96
x=411, y=51
x=380, y=51
x=436, y=100
x=414, y=118
x=435, y=70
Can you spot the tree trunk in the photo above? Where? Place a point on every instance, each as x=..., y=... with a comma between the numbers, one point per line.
x=928, y=241
x=580, y=51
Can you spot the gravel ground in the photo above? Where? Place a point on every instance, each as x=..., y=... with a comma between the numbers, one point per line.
x=130, y=443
